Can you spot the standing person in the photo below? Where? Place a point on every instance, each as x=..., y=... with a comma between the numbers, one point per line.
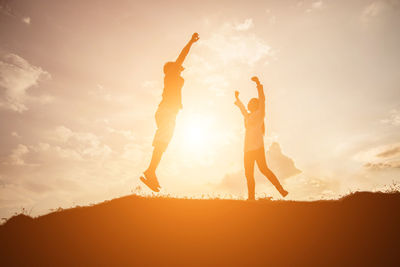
x=254, y=140
x=166, y=113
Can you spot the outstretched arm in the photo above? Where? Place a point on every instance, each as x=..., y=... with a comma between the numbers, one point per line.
x=186, y=49
x=240, y=105
x=261, y=95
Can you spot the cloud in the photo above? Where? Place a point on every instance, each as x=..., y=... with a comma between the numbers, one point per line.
x=16, y=76
x=316, y=5
x=232, y=45
x=381, y=157
x=305, y=187
x=6, y=9
x=133, y=152
x=84, y=143
x=216, y=83
x=128, y=134
x=247, y=24
x=390, y=152
x=26, y=20
x=153, y=87
x=17, y=156
x=15, y=134
x=233, y=183
x=382, y=165
x=394, y=118
x=282, y=165
x=375, y=8
x=224, y=55
x=379, y=9
x=61, y=144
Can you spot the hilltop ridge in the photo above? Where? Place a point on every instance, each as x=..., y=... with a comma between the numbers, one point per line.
x=359, y=229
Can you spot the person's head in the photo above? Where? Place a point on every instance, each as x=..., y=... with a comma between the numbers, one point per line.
x=172, y=68
x=252, y=105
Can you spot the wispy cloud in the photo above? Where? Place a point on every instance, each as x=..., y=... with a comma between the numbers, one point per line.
x=394, y=118
x=390, y=152
x=17, y=155
x=6, y=9
x=379, y=9
x=381, y=157
x=383, y=165
x=375, y=8
x=17, y=76
x=316, y=5
x=244, y=26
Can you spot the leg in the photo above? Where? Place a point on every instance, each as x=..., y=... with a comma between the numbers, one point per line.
x=165, y=120
x=158, y=151
x=249, y=172
x=262, y=165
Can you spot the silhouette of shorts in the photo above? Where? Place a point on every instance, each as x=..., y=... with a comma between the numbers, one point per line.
x=165, y=120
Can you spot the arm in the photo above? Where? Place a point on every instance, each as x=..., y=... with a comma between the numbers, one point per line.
x=240, y=105
x=261, y=95
x=186, y=49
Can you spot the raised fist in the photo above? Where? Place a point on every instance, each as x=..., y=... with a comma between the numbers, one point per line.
x=195, y=37
x=255, y=79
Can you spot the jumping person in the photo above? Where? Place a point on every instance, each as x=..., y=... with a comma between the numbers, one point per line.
x=166, y=113
x=254, y=141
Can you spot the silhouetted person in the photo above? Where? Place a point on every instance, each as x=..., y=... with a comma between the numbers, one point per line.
x=166, y=113
x=254, y=141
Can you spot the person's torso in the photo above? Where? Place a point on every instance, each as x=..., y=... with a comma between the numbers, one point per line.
x=172, y=93
x=254, y=137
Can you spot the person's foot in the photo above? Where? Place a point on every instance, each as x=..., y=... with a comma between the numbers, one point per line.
x=251, y=198
x=150, y=179
x=150, y=184
x=283, y=192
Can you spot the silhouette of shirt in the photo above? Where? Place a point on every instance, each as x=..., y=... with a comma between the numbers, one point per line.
x=254, y=123
x=172, y=93
x=254, y=137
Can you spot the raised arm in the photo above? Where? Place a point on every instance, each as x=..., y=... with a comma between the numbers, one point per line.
x=240, y=105
x=260, y=89
x=186, y=49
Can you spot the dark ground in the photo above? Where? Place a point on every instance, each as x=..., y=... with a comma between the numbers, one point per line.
x=362, y=229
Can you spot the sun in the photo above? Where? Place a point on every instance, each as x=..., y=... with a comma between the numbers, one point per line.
x=197, y=133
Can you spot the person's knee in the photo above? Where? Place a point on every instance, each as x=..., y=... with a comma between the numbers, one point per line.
x=250, y=178
x=265, y=170
x=248, y=172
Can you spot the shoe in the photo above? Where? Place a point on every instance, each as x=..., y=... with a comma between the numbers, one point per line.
x=283, y=192
x=152, y=184
x=150, y=179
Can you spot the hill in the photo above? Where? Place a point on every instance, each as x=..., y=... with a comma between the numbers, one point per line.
x=360, y=229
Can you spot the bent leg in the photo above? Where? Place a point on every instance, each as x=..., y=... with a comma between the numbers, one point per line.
x=249, y=172
x=262, y=165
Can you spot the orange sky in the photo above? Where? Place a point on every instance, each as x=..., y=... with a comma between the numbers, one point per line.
x=80, y=82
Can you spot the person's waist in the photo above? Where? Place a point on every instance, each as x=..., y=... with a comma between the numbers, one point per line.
x=171, y=105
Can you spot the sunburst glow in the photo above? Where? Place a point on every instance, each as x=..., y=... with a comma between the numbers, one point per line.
x=196, y=133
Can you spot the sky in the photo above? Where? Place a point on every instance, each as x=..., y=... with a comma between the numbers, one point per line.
x=80, y=82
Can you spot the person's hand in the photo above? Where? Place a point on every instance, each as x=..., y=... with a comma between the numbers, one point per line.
x=195, y=37
x=255, y=79
x=237, y=98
